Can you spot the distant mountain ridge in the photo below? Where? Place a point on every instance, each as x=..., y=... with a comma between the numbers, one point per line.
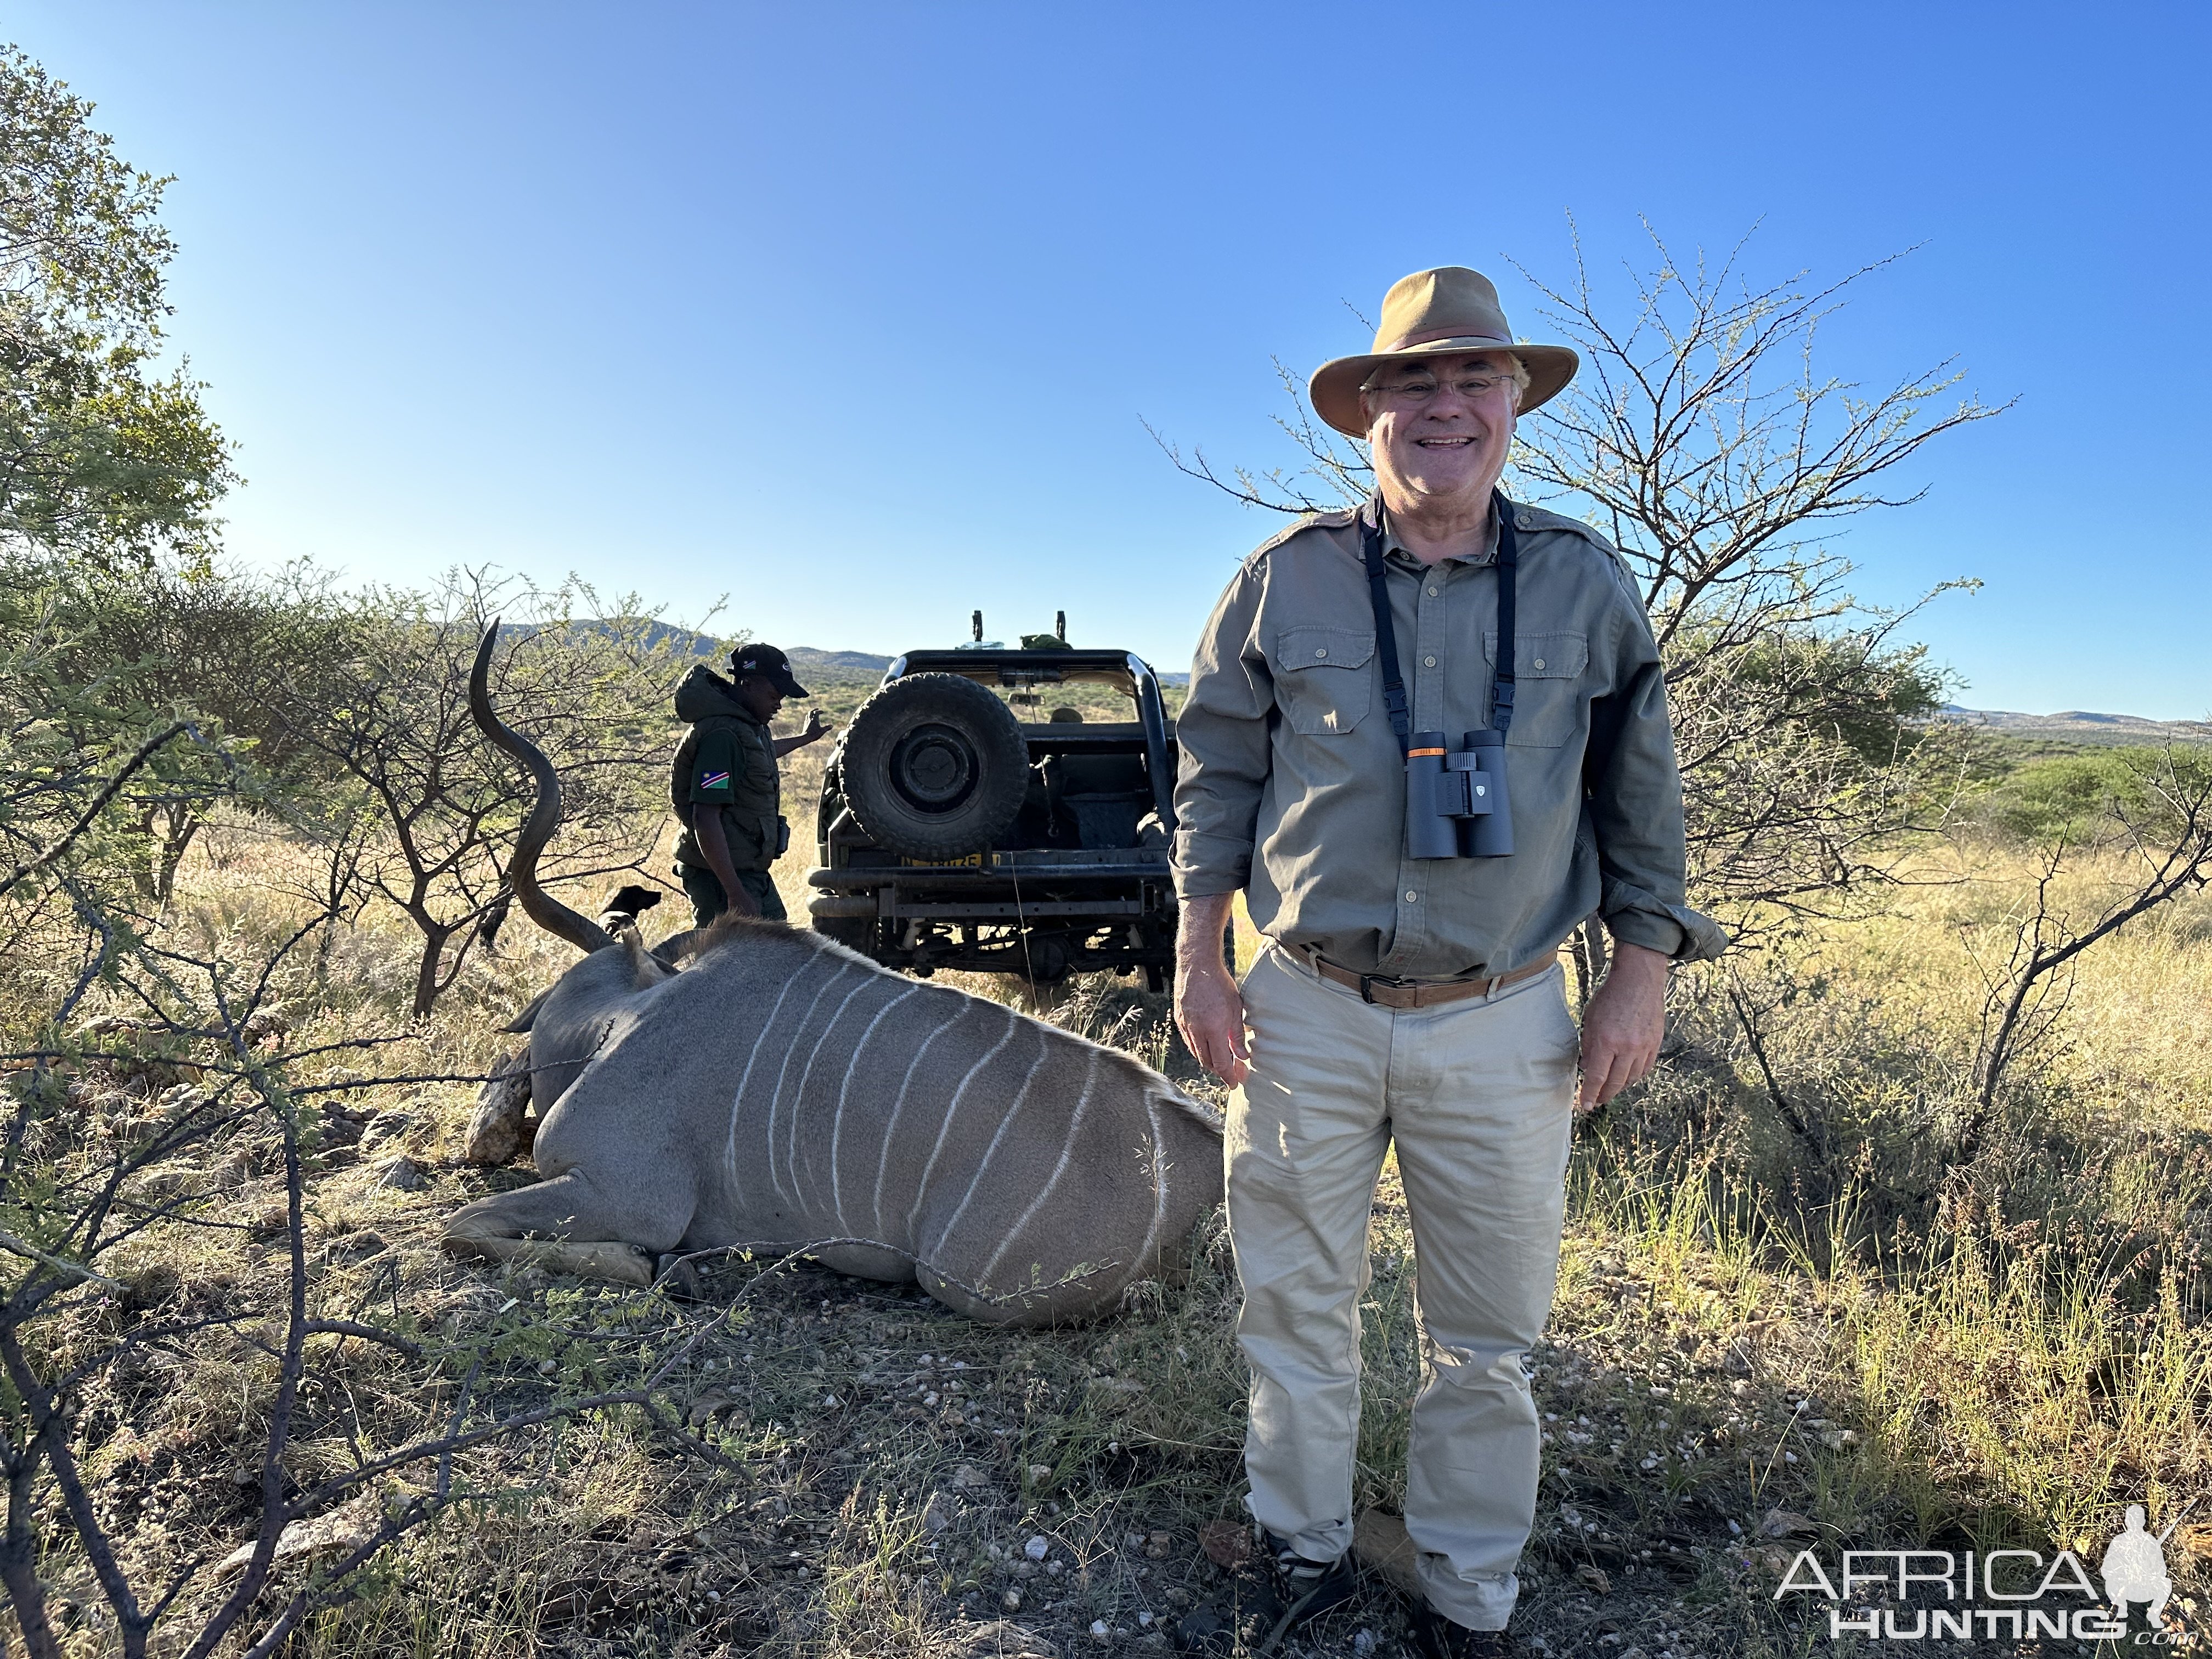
x=806, y=658
x=2080, y=725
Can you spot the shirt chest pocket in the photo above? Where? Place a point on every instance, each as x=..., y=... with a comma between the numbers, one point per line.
x=1547, y=686
x=1323, y=679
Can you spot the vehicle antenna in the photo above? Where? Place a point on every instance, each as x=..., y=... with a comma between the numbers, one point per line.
x=976, y=622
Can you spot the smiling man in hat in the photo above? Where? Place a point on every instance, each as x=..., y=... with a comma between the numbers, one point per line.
x=725, y=786
x=1417, y=1001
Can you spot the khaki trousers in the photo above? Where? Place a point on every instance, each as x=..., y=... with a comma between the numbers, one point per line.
x=1478, y=1097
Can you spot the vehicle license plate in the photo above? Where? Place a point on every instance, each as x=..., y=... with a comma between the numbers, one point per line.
x=974, y=859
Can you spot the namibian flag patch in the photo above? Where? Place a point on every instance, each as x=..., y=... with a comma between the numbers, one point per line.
x=713, y=780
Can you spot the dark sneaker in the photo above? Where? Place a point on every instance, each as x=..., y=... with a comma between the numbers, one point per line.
x=1436, y=1637
x=1308, y=1588
x=1203, y=1630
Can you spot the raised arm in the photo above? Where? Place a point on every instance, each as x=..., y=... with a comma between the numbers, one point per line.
x=816, y=728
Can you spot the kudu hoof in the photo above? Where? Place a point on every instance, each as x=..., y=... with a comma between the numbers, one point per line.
x=678, y=1275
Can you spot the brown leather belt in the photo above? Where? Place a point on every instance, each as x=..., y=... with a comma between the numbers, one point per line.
x=1385, y=992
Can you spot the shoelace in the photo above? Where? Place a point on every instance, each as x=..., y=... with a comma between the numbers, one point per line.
x=1293, y=1565
x=1305, y=1580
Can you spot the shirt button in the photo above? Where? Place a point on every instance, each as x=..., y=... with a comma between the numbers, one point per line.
x=1321, y=650
x=1433, y=592
x=1540, y=662
x=1431, y=662
x=1411, y=898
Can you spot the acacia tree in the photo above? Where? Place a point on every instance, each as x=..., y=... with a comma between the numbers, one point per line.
x=2159, y=831
x=143, y=642
x=104, y=465
x=100, y=457
x=435, y=809
x=180, y=1121
x=1702, y=439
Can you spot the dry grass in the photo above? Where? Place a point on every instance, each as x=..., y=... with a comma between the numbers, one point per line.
x=2007, y=1359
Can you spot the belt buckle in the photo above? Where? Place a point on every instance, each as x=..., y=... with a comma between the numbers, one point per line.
x=1368, y=982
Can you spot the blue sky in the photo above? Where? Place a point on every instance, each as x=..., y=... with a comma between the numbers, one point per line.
x=856, y=313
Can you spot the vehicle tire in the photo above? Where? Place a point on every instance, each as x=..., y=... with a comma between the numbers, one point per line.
x=934, y=767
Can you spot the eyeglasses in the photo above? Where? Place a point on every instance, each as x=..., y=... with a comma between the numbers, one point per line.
x=1412, y=394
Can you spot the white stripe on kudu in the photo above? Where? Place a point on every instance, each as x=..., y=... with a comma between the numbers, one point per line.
x=1067, y=1151
x=799, y=1094
x=1159, y=1179
x=1013, y=1110
x=951, y=1111
x=775, y=1100
x=898, y=1105
x=837, y=1120
x=738, y=1102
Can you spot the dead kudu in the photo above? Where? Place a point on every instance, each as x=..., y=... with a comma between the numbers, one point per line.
x=777, y=1092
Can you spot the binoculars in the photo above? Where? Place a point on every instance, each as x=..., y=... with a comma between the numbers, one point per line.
x=1455, y=802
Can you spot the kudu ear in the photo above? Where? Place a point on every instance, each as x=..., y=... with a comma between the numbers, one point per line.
x=549, y=912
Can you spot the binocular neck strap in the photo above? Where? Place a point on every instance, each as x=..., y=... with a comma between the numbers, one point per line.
x=1508, y=561
x=1386, y=635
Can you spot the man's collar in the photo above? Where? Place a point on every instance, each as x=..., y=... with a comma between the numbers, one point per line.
x=1395, y=550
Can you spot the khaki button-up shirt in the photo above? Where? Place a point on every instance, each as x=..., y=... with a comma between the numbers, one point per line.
x=1293, y=782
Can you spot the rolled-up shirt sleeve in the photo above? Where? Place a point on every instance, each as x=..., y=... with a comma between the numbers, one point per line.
x=1633, y=796
x=1223, y=736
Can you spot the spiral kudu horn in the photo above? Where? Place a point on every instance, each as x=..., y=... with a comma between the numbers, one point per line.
x=544, y=819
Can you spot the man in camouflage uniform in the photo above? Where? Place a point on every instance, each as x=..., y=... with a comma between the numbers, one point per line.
x=725, y=786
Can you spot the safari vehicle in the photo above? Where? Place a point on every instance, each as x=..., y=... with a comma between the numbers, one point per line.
x=972, y=819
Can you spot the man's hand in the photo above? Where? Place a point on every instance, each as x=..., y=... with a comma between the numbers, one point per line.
x=816, y=728
x=1623, y=1023
x=1209, y=1011
x=706, y=830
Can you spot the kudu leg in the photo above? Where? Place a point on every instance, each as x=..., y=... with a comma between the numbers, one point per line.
x=496, y=1133
x=564, y=1225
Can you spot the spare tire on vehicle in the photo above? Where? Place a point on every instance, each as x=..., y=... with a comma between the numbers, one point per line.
x=934, y=767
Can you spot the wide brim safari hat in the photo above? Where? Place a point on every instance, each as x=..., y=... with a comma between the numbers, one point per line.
x=1450, y=308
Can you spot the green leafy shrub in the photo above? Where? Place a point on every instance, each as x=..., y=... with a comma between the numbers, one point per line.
x=2079, y=797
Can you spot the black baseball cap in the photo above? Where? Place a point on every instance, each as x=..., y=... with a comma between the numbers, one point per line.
x=771, y=664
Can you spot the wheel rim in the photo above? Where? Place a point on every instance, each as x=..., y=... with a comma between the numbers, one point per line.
x=935, y=768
